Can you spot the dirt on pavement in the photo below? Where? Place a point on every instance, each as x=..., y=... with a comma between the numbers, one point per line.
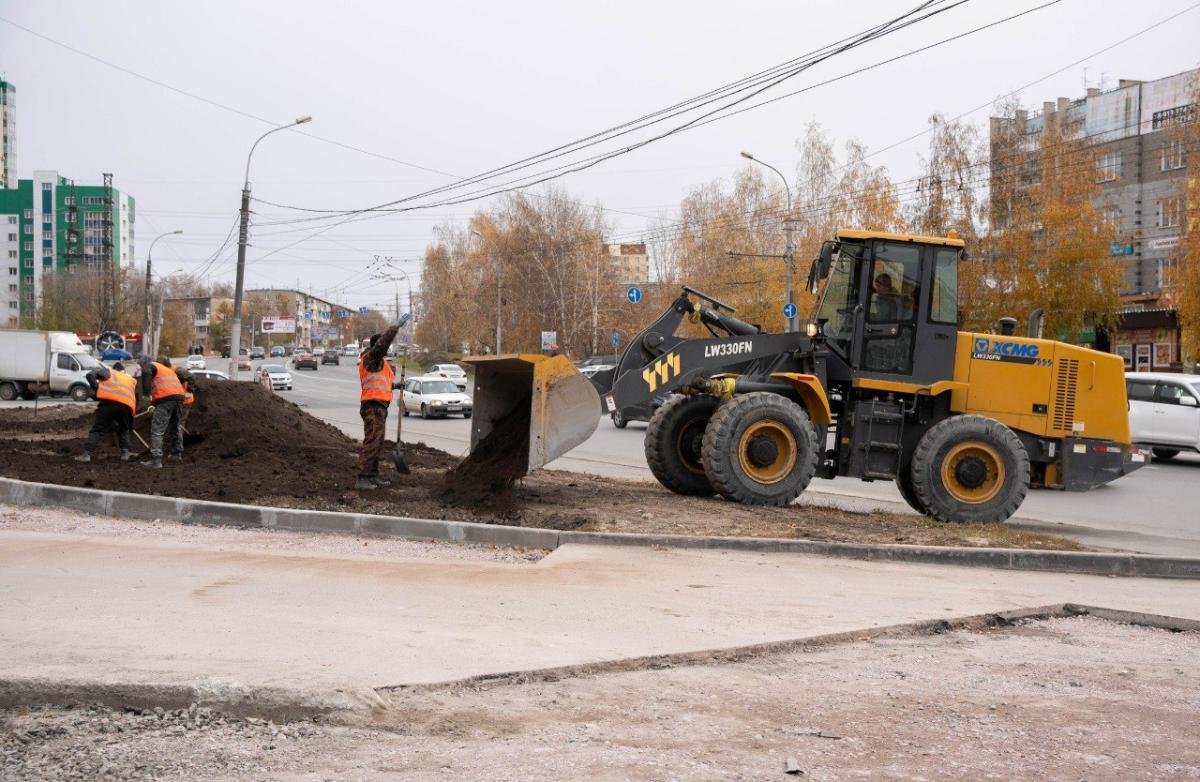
x=248, y=445
x=1070, y=699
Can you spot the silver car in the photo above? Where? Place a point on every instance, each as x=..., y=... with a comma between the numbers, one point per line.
x=435, y=397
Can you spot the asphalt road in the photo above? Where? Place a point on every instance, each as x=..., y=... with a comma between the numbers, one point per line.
x=1155, y=510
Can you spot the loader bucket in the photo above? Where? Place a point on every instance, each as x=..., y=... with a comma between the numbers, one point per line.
x=538, y=408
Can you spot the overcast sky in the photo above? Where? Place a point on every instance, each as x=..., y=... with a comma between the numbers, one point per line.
x=460, y=88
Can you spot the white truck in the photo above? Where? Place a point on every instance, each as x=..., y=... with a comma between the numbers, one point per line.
x=43, y=362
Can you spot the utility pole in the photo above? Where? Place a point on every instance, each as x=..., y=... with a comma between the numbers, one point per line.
x=790, y=252
x=146, y=314
x=235, y=332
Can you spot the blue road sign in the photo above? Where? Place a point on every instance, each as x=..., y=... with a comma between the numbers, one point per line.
x=341, y=313
x=634, y=295
x=362, y=310
x=308, y=316
x=616, y=340
x=789, y=310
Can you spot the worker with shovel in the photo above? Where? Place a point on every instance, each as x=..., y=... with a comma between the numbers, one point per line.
x=163, y=385
x=116, y=396
x=378, y=380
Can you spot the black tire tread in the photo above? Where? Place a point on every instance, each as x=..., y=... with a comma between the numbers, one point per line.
x=967, y=427
x=659, y=451
x=718, y=443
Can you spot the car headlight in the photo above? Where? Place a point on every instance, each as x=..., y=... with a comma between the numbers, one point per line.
x=437, y=402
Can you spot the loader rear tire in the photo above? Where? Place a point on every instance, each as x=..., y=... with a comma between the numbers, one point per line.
x=760, y=449
x=905, y=485
x=970, y=468
x=674, y=440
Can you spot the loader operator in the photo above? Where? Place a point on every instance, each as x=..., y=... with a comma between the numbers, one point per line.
x=377, y=379
x=163, y=388
x=116, y=395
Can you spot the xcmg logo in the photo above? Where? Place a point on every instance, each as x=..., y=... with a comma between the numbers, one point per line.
x=987, y=349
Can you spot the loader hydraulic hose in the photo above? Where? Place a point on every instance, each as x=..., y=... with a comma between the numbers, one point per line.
x=727, y=323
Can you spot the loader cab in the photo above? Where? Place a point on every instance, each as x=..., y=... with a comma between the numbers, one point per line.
x=889, y=311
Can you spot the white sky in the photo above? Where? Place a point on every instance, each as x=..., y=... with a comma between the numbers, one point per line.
x=462, y=87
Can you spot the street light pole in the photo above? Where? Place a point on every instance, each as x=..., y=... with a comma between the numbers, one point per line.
x=146, y=311
x=790, y=252
x=235, y=335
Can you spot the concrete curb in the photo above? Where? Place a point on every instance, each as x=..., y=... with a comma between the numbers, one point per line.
x=351, y=705
x=734, y=654
x=144, y=506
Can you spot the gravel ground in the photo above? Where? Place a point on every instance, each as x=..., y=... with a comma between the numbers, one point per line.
x=1061, y=699
x=66, y=521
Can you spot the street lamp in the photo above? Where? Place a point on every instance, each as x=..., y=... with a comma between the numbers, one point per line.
x=235, y=335
x=499, y=289
x=146, y=310
x=790, y=252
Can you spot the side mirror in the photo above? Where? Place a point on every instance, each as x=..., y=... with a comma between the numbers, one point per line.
x=813, y=281
x=825, y=260
x=1188, y=401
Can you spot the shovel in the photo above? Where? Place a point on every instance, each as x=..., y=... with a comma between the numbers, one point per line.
x=398, y=453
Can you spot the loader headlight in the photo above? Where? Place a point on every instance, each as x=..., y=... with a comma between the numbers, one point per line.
x=811, y=329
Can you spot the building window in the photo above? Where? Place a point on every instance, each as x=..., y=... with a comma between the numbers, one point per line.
x=1172, y=156
x=47, y=186
x=13, y=237
x=47, y=252
x=12, y=253
x=12, y=288
x=1108, y=167
x=28, y=263
x=47, y=235
x=28, y=295
x=1112, y=217
x=69, y=201
x=12, y=271
x=28, y=214
x=28, y=230
x=28, y=247
x=12, y=305
x=28, y=280
x=12, y=219
x=1165, y=267
x=1170, y=212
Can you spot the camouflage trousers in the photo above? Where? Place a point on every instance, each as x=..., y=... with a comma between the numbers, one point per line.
x=167, y=419
x=374, y=416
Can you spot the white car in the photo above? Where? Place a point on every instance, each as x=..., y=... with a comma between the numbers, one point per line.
x=196, y=361
x=452, y=372
x=277, y=375
x=210, y=374
x=1164, y=411
x=435, y=397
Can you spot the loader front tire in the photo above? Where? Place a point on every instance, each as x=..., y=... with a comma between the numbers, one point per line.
x=970, y=468
x=760, y=449
x=674, y=440
x=905, y=485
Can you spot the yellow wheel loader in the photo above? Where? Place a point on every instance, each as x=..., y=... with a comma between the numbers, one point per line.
x=880, y=385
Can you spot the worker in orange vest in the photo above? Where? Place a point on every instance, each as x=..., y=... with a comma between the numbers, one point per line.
x=116, y=400
x=377, y=379
x=163, y=389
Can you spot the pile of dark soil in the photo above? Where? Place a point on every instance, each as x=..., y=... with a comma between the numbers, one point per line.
x=248, y=445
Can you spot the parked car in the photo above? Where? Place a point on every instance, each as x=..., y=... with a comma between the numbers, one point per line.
x=593, y=364
x=258, y=352
x=330, y=357
x=196, y=362
x=435, y=397
x=116, y=355
x=277, y=375
x=304, y=360
x=1164, y=412
x=277, y=351
x=210, y=374
x=452, y=372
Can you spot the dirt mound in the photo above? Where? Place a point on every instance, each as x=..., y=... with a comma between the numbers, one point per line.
x=54, y=418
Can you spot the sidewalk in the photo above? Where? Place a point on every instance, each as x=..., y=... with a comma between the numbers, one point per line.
x=113, y=609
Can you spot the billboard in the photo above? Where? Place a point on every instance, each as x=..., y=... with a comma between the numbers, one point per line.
x=278, y=325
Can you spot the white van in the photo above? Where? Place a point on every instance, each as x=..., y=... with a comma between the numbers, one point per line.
x=43, y=362
x=1164, y=411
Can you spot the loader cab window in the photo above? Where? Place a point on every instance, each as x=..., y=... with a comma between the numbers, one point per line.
x=836, y=313
x=943, y=300
x=892, y=301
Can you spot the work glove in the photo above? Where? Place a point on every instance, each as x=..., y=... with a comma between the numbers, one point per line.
x=150, y=409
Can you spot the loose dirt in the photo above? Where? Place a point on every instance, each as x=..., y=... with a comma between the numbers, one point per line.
x=249, y=445
x=1061, y=699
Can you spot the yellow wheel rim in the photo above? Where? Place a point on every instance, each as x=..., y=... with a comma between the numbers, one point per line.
x=973, y=472
x=767, y=451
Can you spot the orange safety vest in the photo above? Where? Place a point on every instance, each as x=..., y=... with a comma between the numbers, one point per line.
x=376, y=386
x=165, y=383
x=119, y=388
